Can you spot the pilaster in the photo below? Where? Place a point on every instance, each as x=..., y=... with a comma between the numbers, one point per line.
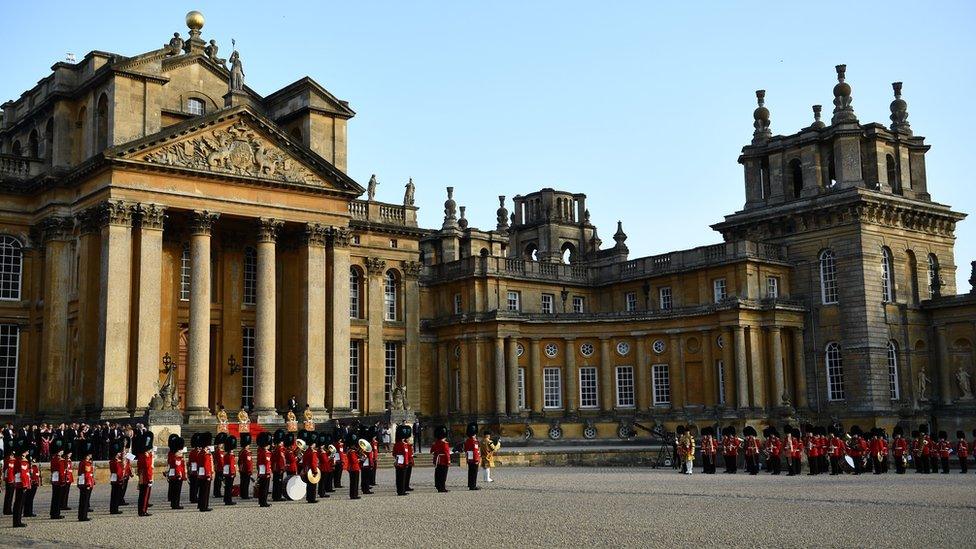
x=115, y=309
x=338, y=259
x=151, y=217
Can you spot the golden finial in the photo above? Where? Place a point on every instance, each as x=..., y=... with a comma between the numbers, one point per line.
x=194, y=20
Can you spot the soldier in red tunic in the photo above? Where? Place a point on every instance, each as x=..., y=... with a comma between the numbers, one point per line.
x=877, y=449
x=400, y=458
x=341, y=461
x=751, y=449
x=709, y=450
x=229, y=469
x=57, y=455
x=86, y=479
x=9, y=472
x=327, y=464
x=218, y=459
x=900, y=450
x=962, y=452
x=192, y=459
x=836, y=450
x=176, y=472
x=310, y=467
x=205, y=473
x=730, y=449
x=944, y=449
x=441, y=452
x=928, y=451
x=472, y=453
x=143, y=446
x=264, y=468
x=291, y=456
x=35, y=483
x=278, y=463
x=116, y=474
x=353, y=457
x=18, y=475
x=774, y=451
x=128, y=472
x=245, y=465
x=408, y=447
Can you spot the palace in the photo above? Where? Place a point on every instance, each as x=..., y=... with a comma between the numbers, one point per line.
x=163, y=222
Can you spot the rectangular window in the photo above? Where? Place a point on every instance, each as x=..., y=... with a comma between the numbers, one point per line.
x=718, y=289
x=247, y=367
x=720, y=375
x=390, y=371
x=577, y=304
x=547, y=302
x=664, y=295
x=354, y=279
x=552, y=391
x=11, y=268
x=631, y=302
x=661, y=384
x=588, y=387
x=9, y=353
x=625, y=386
x=521, y=388
x=457, y=304
x=185, y=274
x=390, y=297
x=772, y=287
x=394, y=243
x=250, y=276
x=356, y=239
x=354, y=346
x=514, y=302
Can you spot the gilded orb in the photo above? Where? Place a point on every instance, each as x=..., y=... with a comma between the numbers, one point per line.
x=194, y=20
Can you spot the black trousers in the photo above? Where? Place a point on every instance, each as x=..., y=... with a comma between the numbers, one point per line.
x=65, y=491
x=18, y=505
x=116, y=498
x=731, y=464
x=353, y=484
x=708, y=464
x=29, y=501
x=228, y=481
x=964, y=465
x=8, y=498
x=84, y=499
x=263, y=483
x=337, y=475
x=775, y=465
x=924, y=462
x=245, y=486
x=125, y=488
x=277, y=486
x=364, y=481
x=440, y=478
x=175, y=492
x=325, y=484
x=144, y=491
x=945, y=465
x=406, y=480
x=876, y=465
x=217, y=485
x=401, y=475
x=311, y=492
x=193, y=489
x=472, y=475
x=203, y=498
x=56, y=500
x=835, y=465
x=752, y=465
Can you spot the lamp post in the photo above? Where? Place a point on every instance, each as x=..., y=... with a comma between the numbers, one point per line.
x=167, y=364
x=234, y=367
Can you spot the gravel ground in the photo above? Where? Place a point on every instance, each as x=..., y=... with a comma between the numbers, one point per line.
x=562, y=507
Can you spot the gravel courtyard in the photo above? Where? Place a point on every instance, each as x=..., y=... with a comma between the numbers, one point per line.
x=546, y=507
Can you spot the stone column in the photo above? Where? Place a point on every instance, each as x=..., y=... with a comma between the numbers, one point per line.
x=572, y=377
x=501, y=398
x=535, y=367
x=265, y=324
x=776, y=339
x=465, y=404
x=945, y=366
x=115, y=307
x=606, y=376
x=678, y=386
x=641, y=375
x=56, y=234
x=148, y=357
x=313, y=313
x=198, y=360
x=339, y=303
x=799, y=370
x=411, y=319
x=444, y=387
x=741, y=374
x=758, y=377
x=375, y=355
x=511, y=367
x=728, y=363
x=708, y=368
x=476, y=381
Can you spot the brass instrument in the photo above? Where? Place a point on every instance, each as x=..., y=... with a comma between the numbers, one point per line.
x=332, y=449
x=300, y=444
x=313, y=477
x=365, y=446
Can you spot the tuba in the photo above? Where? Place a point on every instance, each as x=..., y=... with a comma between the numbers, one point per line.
x=300, y=444
x=365, y=446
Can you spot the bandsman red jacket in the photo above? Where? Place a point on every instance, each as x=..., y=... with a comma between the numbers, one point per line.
x=86, y=474
x=264, y=463
x=472, y=451
x=352, y=456
x=10, y=469
x=730, y=446
x=177, y=467
x=836, y=447
x=116, y=468
x=409, y=454
x=193, y=458
x=775, y=447
x=67, y=471
x=55, y=469
x=245, y=462
x=206, y=469
x=900, y=447
x=145, y=468
x=230, y=465
x=278, y=460
x=291, y=462
x=218, y=459
x=35, y=475
x=709, y=446
x=341, y=453
x=751, y=446
x=943, y=448
x=326, y=461
x=962, y=449
x=22, y=476
x=310, y=460
x=441, y=452
x=400, y=459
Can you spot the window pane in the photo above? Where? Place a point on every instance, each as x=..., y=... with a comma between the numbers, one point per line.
x=247, y=367
x=9, y=355
x=552, y=388
x=661, y=384
x=354, y=374
x=625, y=386
x=11, y=263
x=390, y=372
x=835, y=372
x=250, y=276
x=588, y=387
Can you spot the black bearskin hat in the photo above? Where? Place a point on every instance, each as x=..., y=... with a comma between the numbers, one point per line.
x=264, y=439
x=708, y=431
x=289, y=439
x=923, y=429
x=303, y=435
x=915, y=434
x=773, y=432
x=749, y=431
x=440, y=432
x=472, y=429
x=856, y=430
x=404, y=432
x=898, y=431
x=175, y=443
x=680, y=430
x=960, y=434
x=219, y=439
x=765, y=432
x=206, y=439
x=245, y=440
x=279, y=436
x=943, y=435
x=230, y=442
x=325, y=439
x=820, y=430
x=352, y=439
x=57, y=445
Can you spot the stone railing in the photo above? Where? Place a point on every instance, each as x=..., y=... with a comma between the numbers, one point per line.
x=18, y=167
x=387, y=214
x=637, y=268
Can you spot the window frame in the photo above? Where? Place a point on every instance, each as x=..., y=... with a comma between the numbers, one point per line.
x=661, y=385
x=719, y=290
x=196, y=101
x=630, y=302
x=887, y=278
x=828, y=278
x=458, y=309
x=249, y=297
x=720, y=376
x=772, y=287
x=579, y=304
x=391, y=368
x=391, y=296
x=514, y=300
x=894, y=386
x=355, y=293
x=9, y=366
x=549, y=304
x=589, y=389
x=552, y=388
x=186, y=272
x=248, y=350
x=11, y=268
x=834, y=369
x=620, y=375
x=520, y=389
x=665, y=298
x=355, y=352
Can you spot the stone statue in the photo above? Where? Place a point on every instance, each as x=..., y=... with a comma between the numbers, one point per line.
x=398, y=398
x=166, y=398
x=222, y=420
x=175, y=44
x=291, y=423
x=211, y=51
x=308, y=419
x=923, y=382
x=243, y=420
x=371, y=187
x=236, y=73
x=408, y=194
x=963, y=378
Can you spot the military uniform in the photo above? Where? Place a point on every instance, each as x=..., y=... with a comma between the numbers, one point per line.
x=205, y=473
x=327, y=463
x=192, y=460
x=86, y=480
x=751, y=449
x=472, y=452
x=19, y=476
x=35, y=483
x=709, y=450
x=441, y=452
x=310, y=465
x=229, y=469
x=962, y=452
x=176, y=472
x=944, y=449
x=116, y=473
x=264, y=468
x=730, y=449
x=400, y=461
x=144, y=451
x=354, y=464
x=245, y=465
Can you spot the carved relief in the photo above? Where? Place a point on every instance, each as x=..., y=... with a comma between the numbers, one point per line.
x=315, y=234
x=235, y=150
x=340, y=237
x=203, y=221
x=375, y=265
x=151, y=216
x=268, y=229
x=115, y=212
x=411, y=269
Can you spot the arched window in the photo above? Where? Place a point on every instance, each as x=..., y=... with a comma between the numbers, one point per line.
x=15, y=149
x=892, y=170
x=828, y=277
x=355, y=291
x=33, y=145
x=390, y=288
x=835, y=372
x=185, y=273
x=531, y=252
x=887, y=277
x=101, y=123
x=569, y=253
x=11, y=268
x=796, y=174
x=196, y=106
x=935, y=281
x=893, y=389
x=250, y=276
x=78, y=144
x=913, y=274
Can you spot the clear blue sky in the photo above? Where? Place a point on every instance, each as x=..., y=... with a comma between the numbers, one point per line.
x=643, y=106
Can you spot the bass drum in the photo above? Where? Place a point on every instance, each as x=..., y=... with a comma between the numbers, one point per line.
x=295, y=488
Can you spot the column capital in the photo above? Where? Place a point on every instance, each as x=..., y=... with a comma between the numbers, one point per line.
x=115, y=212
x=774, y=329
x=411, y=269
x=340, y=237
x=315, y=234
x=375, y=265
x=268, y=229
x=87, y=220
x=202, y=222
x=55, y=228
x=151, y=216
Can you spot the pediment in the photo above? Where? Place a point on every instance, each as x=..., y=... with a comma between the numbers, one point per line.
x=241, y=146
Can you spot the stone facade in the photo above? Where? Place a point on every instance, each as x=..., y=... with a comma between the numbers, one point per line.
x=156, y=206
